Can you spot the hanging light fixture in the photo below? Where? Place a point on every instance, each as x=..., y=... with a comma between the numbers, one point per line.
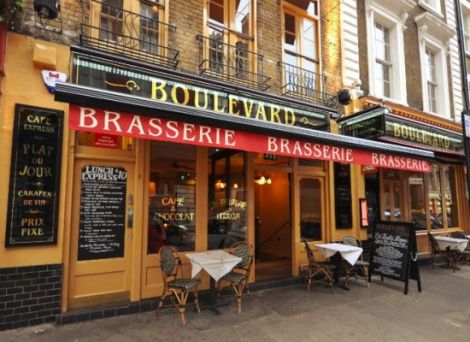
x=263, y=180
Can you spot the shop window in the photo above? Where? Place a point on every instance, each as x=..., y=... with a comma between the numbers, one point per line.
x=418, y=200
x=105, y=141
x=172, y=197
x=227, y=198
x=450, y=196
x=435, y=198
x=311, y=209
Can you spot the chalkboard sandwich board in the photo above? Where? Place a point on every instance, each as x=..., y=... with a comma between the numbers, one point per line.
x=393, y=253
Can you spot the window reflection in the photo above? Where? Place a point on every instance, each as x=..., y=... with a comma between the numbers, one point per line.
x=451, y=196
x=310, y=209
x=227, y=198
x=435, y=198
x=417, y=199
x=172, y=197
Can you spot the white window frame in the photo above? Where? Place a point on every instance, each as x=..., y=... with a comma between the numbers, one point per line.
x=433, y=8
x=435, y=36
x=392, y=15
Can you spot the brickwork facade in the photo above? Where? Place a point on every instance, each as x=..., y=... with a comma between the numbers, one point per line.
x=187, y=17
x=29, y=295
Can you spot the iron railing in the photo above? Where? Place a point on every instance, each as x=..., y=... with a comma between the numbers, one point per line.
x=305, y=85
x=233, y=63
x=130, y=34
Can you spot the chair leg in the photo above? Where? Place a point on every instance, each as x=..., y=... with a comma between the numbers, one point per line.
x=160, y=304
x=182, y=297
x=238, y=291
x=196, y=300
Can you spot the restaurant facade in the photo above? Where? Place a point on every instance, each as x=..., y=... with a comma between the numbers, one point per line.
x=119, y=142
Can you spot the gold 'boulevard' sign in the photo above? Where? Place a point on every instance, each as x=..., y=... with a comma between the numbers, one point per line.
x=422, y=136
x=120, y=78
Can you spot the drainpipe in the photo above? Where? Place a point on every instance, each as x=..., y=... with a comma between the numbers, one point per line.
x=463, y=68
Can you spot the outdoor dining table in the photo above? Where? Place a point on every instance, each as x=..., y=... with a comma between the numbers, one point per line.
x=337, y=251
x=446, y=242
x=216, y=263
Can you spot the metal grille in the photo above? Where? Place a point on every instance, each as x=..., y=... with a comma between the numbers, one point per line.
x=130, y=34
x=305, y=85
x=234, y=63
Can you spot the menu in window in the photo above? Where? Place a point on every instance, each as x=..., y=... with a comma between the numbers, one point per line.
x=102, y=212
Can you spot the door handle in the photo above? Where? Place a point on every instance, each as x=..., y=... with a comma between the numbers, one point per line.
x=130, y=217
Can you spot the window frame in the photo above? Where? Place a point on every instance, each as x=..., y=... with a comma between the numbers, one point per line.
x=229, y=31
x=392, y=19
x=135, y=8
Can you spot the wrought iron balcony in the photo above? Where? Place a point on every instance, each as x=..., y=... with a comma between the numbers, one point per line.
x=305, y=85
x=233, y=63
x=130, y=34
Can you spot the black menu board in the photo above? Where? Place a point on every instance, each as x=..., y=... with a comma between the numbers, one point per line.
x=34, y=177
x=394, y=252
x=102, y=212
x=343, y=201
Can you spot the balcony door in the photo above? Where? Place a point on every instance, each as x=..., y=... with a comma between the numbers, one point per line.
x=301, y=62
x=229, y=37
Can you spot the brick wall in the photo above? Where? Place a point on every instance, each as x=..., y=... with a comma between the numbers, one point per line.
x=29, y=295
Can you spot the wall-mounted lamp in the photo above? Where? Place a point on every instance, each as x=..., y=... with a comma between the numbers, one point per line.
x=152, y=189
x=219, y=185
x=263, y=180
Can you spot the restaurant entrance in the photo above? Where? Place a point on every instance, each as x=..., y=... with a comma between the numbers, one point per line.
x=273, y=225
x=394, y=203
x=101, y=232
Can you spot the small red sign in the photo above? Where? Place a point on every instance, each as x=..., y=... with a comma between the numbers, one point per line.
x=106, y=140
x=364, y=212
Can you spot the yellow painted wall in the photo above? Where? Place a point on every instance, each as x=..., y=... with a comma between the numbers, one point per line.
x=23, y=84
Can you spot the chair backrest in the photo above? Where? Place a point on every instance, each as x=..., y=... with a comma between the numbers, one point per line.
x=243, y=250
x=308, y=250
x=169, y=261
x=351, y=241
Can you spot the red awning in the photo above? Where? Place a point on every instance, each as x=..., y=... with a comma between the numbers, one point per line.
x=84, y=118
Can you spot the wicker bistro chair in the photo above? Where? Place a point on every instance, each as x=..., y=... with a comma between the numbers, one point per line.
x=450, y=257
x=238, y=277
x=315, y=268
x=361, y=267
x=180, y=288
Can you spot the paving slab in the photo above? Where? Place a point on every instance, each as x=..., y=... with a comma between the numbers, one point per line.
x=380, y=312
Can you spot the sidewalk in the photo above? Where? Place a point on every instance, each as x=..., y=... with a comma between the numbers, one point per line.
x=380, y=313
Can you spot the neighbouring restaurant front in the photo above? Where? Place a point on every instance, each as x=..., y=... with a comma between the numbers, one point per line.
x=165, y=158
x=437, y=201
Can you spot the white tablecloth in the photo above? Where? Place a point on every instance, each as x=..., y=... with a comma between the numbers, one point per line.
x=445, y=242
x=349, y=253
x=217, y=263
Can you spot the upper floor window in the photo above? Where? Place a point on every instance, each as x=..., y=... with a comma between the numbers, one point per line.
x=433, y=37
x=301, y=61
x=386, y=54
x=383, y=63
x=433, y=6
x=135, y=29
x=228, y=47
x=431, y=80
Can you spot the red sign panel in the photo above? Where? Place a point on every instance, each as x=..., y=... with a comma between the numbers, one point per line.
x=106, y=140
x=149, y=127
